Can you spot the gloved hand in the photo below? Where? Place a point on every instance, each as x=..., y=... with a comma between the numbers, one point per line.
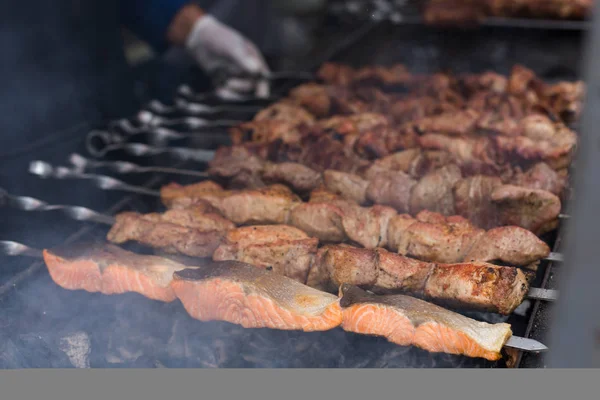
x=217, y=47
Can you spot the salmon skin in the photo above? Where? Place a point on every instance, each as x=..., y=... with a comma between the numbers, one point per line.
x=243, y=294
x=408, y=321
x=108, y=269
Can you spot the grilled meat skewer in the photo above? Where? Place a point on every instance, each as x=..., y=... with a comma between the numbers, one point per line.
x=251, y=297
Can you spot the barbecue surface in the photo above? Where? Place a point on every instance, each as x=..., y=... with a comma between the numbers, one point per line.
x=179, y=346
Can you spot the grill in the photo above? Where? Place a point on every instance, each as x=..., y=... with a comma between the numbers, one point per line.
x=47, y=326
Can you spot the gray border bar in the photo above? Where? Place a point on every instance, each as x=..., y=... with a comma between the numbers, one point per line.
x=575, y=332
x=299, y=384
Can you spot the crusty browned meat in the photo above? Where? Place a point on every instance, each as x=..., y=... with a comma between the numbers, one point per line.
x=299, y=177
x=268, y=205
x=287, y=112
x=284, y=249
x=173, y=191
x=313, y=97
x=265, y=131
x=455, y=123
x=434, y=191
x=158, y=231
x=532, y=209
x=442, y=189
x=430, y=236
x=344, y=75
x=542, y=141
x=349, y=186
x=433, y=237
x=541, y=176
x=453, y=12
x=472, y=200
x=457, y=12
x=472, y=285
x=488, y=203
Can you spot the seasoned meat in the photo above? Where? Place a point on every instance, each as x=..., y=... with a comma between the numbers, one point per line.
x=298, y=177
x=155, y=230
x=313, y=97
x=476, y=285
x=349, y=186
x=269, y=205
x=534, y=210
x=286, y=250
x=472, y=200
x=508, y=245
x=541, y=176
x=432, y=236
x=392, y=189
x=434, y=191
x=286, y=112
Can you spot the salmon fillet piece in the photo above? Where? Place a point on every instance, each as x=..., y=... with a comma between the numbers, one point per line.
x=108, y=269
x=242, y=294
x=408, y=321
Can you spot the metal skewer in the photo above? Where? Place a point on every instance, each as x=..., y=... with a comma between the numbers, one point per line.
x=81, y=163
x=140, y=149
x=45, y=170
x=75, y=212
x=189, y=93
x=150, y=118
x=17, y=249
x=193, y=108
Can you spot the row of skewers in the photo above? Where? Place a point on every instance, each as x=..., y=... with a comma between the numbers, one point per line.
x=385, y=223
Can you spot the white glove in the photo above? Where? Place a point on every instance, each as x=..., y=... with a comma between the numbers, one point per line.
x=216, y=46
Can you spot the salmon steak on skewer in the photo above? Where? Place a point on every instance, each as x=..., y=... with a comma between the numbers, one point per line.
x=108, y=269
x=253, y=297
x=407, y=321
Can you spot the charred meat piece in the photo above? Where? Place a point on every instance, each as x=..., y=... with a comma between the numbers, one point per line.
x=191, y=235
x=541, y=176
x=287, y=112
x=313, y=97
x=477, y=285
x=265, y=131
x=172, y=192
x=390, y=188
x=534, y=210
x=472, y=200
x=457, y=123
x=542, y=141
x=432, y=236
x=300, y=178
x=474, y=155
x=434, y=191
x=108, y=269
x=284, y=249
x=508, y=245
x=242, y=294
x=348, y=186
x=408, y=321
x=268, y=205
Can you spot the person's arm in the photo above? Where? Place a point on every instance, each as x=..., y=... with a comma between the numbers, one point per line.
x=152, y=20
x=212, y=44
